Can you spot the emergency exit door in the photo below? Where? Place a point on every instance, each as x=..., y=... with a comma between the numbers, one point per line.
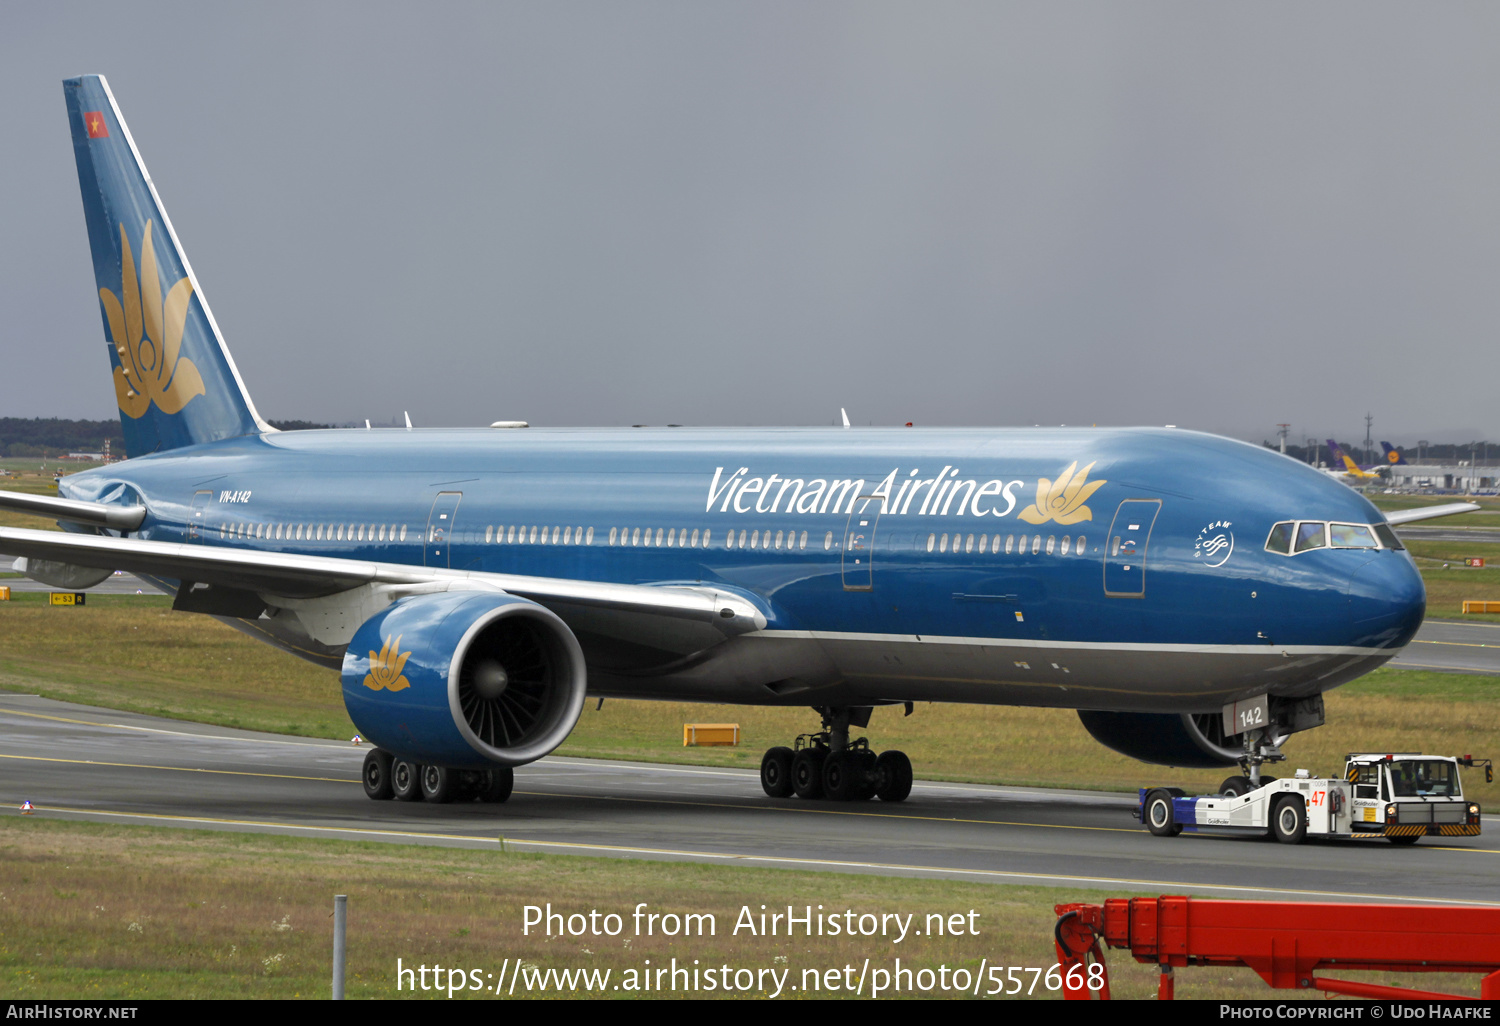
x=1125, y=548
x=440, y=529
x=859, y=543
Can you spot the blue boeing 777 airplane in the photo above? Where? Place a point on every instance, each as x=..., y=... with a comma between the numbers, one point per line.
x=474, y=586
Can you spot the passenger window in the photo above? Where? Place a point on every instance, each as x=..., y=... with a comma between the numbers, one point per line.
x=531, y=535
x=556, y=535
x=1279, y=540
x=707, y=537
x=1080, y=547
x=943, y=543
x=695, y=538
x=403, y=532
x=567, y=536
x=1009, y=541
x=802, y=543
x=1036, y=545
x=1065, y=543
x=658, y=537
x=729, y=541
x=969, y=543
x=1051, y=540
x=635, y=536
x=1114, y=546
x=1311, y=536
x=754, y=539
x=1351, y=536
x=510, y=535
x=984, y=543
x=588, y=538
x=828, y=542
x=778, y=539
x=931, y=541
x=613, y=535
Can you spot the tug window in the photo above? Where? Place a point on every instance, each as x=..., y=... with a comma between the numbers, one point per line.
x=1311, y=536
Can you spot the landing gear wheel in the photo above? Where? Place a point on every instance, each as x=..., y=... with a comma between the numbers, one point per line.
x=1289, y=820
x=496, y=784
x=865, y=761
x=892, y=776
x=807, y=772
x=776, y=772
x=1404, y=838
x=377, y=775
x=1159, y=817
x=1234, y=787
x=437, y=784
x=841, y=777
x=405, y=781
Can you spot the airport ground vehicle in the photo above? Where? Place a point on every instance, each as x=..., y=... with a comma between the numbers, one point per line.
x=1401, y=797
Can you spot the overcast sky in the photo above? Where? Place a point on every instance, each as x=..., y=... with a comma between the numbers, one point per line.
x=1221, y=216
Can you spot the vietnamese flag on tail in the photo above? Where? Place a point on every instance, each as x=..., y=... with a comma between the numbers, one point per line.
x=94, y=122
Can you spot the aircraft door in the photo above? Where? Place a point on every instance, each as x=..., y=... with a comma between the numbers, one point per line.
x=198, y=515
x=859, y=543
x=440, y=529
x=1125, y=548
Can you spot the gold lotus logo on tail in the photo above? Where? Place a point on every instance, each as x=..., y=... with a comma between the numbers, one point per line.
x=1063, y=500
x=386, y=667
x=147, y=333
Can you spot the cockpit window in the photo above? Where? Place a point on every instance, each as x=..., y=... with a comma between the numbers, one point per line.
x=1280, y=539
x=1311, y=536
x=1388, y=537
x=1351, y=536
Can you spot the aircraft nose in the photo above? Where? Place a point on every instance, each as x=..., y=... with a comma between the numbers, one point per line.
x=1387, y=601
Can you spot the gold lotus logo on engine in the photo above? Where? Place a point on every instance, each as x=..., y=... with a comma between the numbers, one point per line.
x=147, y=333
x=1063, y=500
x=386, y=667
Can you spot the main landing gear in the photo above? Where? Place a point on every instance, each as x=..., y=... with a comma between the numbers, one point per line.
x=386, y=777
x=828, y=765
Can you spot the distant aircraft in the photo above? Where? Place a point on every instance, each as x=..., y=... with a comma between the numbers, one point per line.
x=473, y=586
x=1392, y=457
x=1353, y=471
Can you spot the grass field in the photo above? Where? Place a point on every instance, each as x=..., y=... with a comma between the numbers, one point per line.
x=106, y=912
x=190, y=667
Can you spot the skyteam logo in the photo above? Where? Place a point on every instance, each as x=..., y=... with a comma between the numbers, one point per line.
x=1215, y=544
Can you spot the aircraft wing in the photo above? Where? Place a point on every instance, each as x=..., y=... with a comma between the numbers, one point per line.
x=1408, y=516
x=688, y=617
x=94, y=514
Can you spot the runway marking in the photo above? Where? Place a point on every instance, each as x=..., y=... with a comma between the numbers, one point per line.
x=179, y=769
x=1462, y=644
x=162, y=730
x=788, y=860
x=828, y=812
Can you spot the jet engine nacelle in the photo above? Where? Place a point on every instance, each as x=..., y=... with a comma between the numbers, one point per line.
x=1189, y=740
x=465, y=680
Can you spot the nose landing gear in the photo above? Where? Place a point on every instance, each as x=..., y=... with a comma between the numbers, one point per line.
x=828, y=765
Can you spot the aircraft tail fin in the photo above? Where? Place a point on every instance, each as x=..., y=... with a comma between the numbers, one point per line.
x=1339, y=456
x=1392, y=457
x=175, y=382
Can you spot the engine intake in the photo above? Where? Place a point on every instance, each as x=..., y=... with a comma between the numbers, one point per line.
x=1189, y=740
x=465, y=680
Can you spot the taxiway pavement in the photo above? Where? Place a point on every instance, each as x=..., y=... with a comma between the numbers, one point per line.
x=76, y=762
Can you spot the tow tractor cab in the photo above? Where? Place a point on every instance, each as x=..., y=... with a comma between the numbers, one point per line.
x=1406, y=796
x=1401, y=797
